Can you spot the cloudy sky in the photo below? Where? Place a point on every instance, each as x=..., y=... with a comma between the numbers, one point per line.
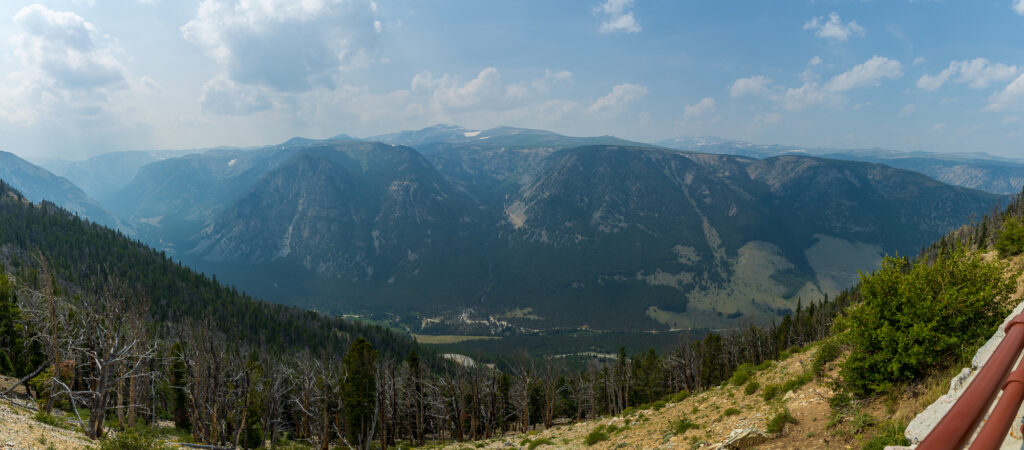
x=80, y=77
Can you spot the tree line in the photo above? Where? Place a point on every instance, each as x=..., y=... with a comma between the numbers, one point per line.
x=118, y=335
x=98, y=353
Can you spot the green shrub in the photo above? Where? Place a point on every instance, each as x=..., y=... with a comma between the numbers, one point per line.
x=133, y=439
x=658, y=405
x=840, y=400
x=751, y=387
x=861, y=422
x=1011, y=237
x=595, y=436
x=889, y=433
x=766, y=364
x=539, y=442
x=779, y=421
x=918, y=317
x=769, y=392
x=684, y=425
x=730, y=412
x=680, y=396
x=49, y=419
x=795, y=382
x=742, y=373
x=827, y=352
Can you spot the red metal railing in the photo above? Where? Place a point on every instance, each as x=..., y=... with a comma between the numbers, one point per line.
x=956, y=427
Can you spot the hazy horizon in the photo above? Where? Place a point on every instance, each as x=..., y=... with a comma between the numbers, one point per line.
x=84, y=77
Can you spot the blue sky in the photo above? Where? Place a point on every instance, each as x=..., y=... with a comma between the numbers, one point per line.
x=80, y=77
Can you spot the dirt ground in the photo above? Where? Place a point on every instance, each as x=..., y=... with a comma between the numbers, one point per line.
x=18, y=430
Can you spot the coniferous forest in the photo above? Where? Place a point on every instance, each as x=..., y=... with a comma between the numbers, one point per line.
x=115, y=335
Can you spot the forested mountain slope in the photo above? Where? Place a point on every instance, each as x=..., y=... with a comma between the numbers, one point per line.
x=38, y=184
x=84, y=257
x=511, y=230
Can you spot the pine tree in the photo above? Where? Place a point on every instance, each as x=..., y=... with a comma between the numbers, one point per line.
x=359, y=392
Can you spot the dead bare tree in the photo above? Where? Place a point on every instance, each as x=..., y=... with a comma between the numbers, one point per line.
x=522, y=377
x=107, y=352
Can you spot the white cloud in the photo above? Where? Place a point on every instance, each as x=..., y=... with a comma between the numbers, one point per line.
x=285, y=45
x=814, y=61
x=68, y=74
x=1018, y=6
x=699, y=109
x=486, y=90
x=977, y=73
x=907, y=110
x=618, y=17
x=811, y=93
x=224, y=96
x=755, y=85
x=68, y=89
x=868, y=73
x=807, y=95
x=561, y=76
x=833, y=28
x=933, y=82
x=616, y=100
x=1009, y=98
x=66, y=50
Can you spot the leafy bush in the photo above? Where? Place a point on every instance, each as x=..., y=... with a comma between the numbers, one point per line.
x=918, y=317
x=769, y=392
x=684, y=425
x=49, y=419
x=751, y=387
x=730, y=412
x=539, y=442
x=840, y=400
x=779, y=421
x=827, y=352
x=795, y=382
x=595, y=436
x=890, y=433
x=742, y=373
x=680, y=396
x=133, y=439
x=861, y=422
x=1011, y=237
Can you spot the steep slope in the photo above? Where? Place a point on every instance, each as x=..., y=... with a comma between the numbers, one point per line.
x=38, y=184
x=82, y=256
x=972, y=170
x=373, y=221
x=102, y=175
x=696, y=240
x=605, y=236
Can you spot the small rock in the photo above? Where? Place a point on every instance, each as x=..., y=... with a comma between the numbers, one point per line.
x=745, y=438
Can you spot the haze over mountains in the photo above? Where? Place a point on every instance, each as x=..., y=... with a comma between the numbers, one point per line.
x=447, y=229
x=974, y=170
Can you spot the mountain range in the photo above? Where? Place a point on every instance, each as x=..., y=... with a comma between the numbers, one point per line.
x=974, y=170
x=451, y=230
x=38, y=184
